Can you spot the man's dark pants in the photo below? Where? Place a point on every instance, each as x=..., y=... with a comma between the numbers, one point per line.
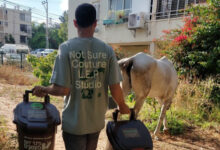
x=81, y=142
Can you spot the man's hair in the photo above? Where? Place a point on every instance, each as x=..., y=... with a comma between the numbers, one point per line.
x=85, y=15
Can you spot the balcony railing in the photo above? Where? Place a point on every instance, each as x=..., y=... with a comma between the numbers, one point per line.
x=170, y=14
x=116, y=17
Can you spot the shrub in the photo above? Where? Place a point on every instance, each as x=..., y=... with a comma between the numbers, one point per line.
x=191, y=107
x=42, y=67
x=195, y=48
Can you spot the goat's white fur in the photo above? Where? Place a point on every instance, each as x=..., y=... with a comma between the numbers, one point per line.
x=146, y=76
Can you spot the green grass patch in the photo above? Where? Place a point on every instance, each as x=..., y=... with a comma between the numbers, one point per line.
x=193, y=106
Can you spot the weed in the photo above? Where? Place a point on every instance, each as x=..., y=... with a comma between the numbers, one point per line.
x=15, y=76
x=5, y=139
x=191, y=107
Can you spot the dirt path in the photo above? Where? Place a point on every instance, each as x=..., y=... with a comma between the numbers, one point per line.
x=11, y=95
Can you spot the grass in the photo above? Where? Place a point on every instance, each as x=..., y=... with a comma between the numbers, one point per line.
x=3, y=138
x=193, y=106
x=14, y=75
x=7, y=142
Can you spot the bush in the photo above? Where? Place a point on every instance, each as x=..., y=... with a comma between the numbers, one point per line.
x=191, y=107
x=195, y=48
x=43, y=67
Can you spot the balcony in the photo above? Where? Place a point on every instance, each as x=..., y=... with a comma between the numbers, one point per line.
x=116, y=17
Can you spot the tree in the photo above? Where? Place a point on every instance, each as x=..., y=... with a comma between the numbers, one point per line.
x=57, y=34
x=9, y=39
x=38, y=36
x=63, y=27
x=54, y=38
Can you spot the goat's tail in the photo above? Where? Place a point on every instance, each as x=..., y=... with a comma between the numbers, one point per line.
x=126, y=65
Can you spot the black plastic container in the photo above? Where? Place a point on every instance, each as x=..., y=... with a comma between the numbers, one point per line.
x=128, y=134
x=36, y=123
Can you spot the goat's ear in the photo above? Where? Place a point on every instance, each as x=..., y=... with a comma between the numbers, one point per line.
x=124, y=65
x=120, y=63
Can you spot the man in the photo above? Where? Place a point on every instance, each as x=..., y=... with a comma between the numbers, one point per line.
x=84, y=69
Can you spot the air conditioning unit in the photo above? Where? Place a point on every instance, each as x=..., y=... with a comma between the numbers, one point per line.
x=136, y=20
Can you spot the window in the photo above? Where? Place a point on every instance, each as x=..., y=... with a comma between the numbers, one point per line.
x=173, y=8
x=23, y=39
x=6, y=24
x=29, y=29
x=119, y=4
x=23, y=28
x=28, y=18
x=127, y=4
x=22, y=16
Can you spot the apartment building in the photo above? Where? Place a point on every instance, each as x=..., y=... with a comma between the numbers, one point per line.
x=132, y=25
x=15, y=22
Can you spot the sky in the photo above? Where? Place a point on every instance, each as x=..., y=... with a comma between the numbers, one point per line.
x=55, y=8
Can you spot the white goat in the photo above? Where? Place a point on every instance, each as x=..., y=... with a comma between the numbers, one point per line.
x=155, y=78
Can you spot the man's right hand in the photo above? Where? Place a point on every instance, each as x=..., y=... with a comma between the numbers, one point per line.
x=124, y=109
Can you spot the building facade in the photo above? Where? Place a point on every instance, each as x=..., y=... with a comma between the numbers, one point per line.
x=132, y=25
x=15, y=23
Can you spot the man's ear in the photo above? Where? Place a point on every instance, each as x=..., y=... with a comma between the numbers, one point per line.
x=75, y=23
x=95, y=24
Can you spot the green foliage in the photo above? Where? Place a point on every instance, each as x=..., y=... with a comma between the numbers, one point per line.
x=10, y=39
x=192, y=106
x=63, y=27
x=131, y=97
x=176, y=125
x=38, y=39
x=54, y=39
x=214, y=97
x=42, y=67
x=38, y=36
x=195, y=48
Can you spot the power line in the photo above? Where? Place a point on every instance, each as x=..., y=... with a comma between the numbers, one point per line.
x=33, y=10
x=28, y=7
x=50, y=13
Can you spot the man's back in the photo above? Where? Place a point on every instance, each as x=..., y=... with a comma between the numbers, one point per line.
x=88, y=63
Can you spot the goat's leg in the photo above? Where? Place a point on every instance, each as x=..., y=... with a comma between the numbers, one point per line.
x=139, y=103
x=141, y=86
x=165, y=118
x=162, y=115
x=165, y=127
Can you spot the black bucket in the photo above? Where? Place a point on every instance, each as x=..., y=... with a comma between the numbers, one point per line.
x=36, y=124
x=128, y=134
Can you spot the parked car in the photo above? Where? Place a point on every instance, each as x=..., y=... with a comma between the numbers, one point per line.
x=46, y=52
x=37, y=52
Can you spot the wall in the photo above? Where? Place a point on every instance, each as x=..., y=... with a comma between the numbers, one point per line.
x=13, y=19
x=119, y=34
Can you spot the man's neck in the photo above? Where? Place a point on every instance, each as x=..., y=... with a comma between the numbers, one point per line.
x=85, y=33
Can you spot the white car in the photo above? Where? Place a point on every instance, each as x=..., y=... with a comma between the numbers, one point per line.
x=46, y=52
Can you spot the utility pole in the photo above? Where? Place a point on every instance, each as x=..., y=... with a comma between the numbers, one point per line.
x=3, y=22
x=45, y=4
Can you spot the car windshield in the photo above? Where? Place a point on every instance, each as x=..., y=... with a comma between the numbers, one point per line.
x=48, y=50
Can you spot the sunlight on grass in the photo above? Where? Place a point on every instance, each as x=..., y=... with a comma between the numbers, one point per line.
x=192, y=106
x=16, y=76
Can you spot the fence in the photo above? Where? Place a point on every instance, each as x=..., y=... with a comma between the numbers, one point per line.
x=18, y=60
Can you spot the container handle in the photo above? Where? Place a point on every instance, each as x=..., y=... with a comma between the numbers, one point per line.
x=115, y=115
x=26, y=97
